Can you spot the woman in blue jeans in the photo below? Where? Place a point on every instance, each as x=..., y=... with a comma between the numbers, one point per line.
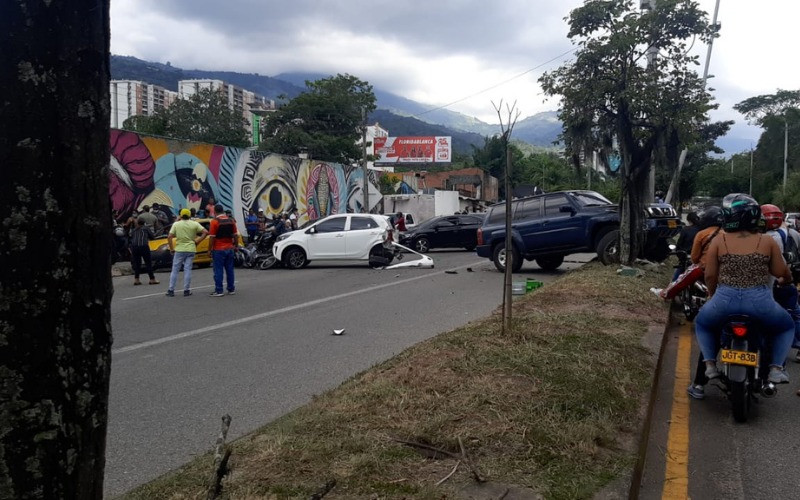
x=738, y=268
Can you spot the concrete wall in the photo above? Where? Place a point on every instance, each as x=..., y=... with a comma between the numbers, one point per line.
x=180, y=174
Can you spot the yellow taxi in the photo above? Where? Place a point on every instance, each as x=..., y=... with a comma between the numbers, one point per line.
x=159, y=248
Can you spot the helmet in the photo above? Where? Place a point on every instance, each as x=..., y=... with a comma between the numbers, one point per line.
x=740, y=212
x=773, y=217
x=711, y=216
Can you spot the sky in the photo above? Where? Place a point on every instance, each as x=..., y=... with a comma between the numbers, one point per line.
x=466, y=54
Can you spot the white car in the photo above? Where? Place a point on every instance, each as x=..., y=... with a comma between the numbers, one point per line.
x=366, y=237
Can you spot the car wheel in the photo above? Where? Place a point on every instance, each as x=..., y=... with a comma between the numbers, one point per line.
x=608, y=248
x=379, y=257
x=422, y=245
x=295, y=258
x=550, y=263
x=499, y=258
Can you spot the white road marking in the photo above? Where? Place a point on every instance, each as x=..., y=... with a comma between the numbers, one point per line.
x=239, y=321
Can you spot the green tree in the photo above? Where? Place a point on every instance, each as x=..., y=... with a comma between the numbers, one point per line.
x=325, y=121
x=206, y=117
x=143, y=124
x=203, y=117
x=611, y=87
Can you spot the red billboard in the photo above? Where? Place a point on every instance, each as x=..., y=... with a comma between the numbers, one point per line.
x=431, y=149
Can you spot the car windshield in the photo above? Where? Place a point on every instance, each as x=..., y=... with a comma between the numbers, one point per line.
x=591, y=199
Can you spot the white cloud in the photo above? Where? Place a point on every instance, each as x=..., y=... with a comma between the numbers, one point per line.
x=434, y=53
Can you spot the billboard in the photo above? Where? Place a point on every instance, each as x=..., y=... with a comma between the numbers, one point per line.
x=407, y=149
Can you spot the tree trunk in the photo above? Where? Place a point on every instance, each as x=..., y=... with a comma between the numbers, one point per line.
x=55, y=246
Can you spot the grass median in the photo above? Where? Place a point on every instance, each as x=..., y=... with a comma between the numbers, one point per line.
x=554, y=407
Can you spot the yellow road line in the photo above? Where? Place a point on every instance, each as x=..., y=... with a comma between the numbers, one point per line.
x=676, y=478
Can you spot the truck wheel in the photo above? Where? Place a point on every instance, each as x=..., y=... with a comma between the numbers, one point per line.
x=499, y=258
x=608, y=248
x=550, y=263
x=659, y=253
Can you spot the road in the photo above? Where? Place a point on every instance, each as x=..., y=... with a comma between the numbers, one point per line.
x=696, y=450
x=181, y=363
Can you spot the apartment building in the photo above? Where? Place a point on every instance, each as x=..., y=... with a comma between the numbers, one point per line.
x=132, y=97
x=239, y=99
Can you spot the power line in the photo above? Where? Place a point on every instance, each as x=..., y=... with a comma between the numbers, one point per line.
x=495, y=85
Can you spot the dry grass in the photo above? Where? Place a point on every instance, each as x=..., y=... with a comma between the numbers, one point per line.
x=554, y=407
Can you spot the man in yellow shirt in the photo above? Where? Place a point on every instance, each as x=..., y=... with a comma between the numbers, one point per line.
x=184, y=235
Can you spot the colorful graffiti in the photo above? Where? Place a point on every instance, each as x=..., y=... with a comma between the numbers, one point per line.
x=178, y=174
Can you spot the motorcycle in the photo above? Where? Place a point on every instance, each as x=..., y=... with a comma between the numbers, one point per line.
x=693, y=296
x=257, y=254
x=744, y=372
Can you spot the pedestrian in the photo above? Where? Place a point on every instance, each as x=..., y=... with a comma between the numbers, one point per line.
x=184, y=236
x=293, y=219
x=211, y=207
x=149, y=219
x=224, y=238
x=262, y=221
x=251, y=225
x=140, y=251
x=400, y=222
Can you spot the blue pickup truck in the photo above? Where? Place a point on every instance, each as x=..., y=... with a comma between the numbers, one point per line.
x=548, y=227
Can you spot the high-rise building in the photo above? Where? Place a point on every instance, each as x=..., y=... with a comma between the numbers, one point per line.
x=132, y=97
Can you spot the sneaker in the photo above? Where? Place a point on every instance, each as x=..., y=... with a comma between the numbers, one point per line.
x=216, y=294
x=712, y=373
x=232, y=292
x=778, y=377
x=170, y=293
x=186, y=293
x=696, y=391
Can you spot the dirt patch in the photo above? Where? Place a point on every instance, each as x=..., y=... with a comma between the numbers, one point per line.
x=551, y=410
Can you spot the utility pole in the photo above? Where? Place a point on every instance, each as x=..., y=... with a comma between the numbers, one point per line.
x=785, y=149
x=649, y=6
x=365, y=170
x=673, y=186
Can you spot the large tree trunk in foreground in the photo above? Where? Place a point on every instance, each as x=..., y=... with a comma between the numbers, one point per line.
x=55, y=287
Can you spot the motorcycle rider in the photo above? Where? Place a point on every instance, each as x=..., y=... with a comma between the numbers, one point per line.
x=786, y=238
x=738, y=265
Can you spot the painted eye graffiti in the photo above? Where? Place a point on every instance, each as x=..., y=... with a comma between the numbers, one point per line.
x=276, y=197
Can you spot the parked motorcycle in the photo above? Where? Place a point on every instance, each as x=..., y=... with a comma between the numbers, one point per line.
x=257, y=254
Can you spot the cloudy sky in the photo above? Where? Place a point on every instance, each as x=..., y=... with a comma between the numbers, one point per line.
x=437, y=51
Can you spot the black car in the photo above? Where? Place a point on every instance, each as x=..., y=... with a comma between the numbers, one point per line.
x=449, y=231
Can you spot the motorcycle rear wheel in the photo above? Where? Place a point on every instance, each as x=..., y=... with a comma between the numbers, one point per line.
x=740, y=400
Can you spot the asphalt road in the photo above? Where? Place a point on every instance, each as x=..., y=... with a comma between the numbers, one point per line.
x=720, y=459
x=181, y=363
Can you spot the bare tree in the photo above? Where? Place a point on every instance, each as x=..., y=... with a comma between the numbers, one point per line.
x=55, y=243
x=510, y=251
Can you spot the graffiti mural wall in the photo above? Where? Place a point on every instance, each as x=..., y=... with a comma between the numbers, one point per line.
x=178, y=174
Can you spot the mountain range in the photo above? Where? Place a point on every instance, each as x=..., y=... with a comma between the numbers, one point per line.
x=397, y=114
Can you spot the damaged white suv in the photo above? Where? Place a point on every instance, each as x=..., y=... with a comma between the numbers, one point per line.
x=365, y=237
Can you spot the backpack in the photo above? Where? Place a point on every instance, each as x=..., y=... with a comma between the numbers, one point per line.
x=226, y=227
x=790, y=253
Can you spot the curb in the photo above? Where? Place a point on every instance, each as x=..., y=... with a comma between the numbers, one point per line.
x=644, y=438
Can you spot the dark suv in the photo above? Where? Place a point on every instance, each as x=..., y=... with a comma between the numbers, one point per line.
x=547, y=227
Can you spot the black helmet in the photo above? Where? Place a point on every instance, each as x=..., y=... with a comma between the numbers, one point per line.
x=711, y=216
x=740, y=213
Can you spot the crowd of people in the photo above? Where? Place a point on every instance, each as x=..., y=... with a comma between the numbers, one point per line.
x=133, y=235
x=745, y=254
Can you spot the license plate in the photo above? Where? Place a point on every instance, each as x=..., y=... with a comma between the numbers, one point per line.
x=739, y=357
x=672, y=224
